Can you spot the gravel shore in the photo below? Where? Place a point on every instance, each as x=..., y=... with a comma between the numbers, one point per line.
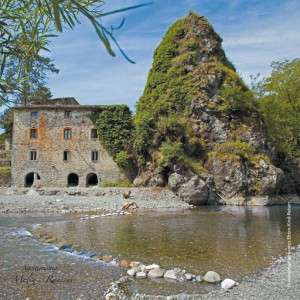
x=84, y=199
x=280, y=283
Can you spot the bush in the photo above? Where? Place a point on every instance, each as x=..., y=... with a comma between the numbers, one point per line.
x=123, y=159
x=119, y=183
x=237, y=99
x=115, y=131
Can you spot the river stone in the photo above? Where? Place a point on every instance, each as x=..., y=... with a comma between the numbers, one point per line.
x=228, y=284
x=131, y=272
x=188, y=276
x=130, y=206
x=51, y=240
x=156, y=273
x=106, y=258
x=99, y=257
x=124, y=263
x=111, y=296
x=64, y=246
x=199, y=278
x=134, y=264
x=194, y=192
x=141, y=275
x=153, y=266
x=212, y=277
x=170, y=274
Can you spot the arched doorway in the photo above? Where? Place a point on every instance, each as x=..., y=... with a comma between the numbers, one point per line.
x=73, y=179
x=91, y=179
x=30, y=178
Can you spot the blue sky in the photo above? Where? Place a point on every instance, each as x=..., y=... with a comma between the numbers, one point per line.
x=254, y=33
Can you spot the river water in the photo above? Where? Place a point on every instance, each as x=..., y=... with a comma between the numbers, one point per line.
x=236, y=242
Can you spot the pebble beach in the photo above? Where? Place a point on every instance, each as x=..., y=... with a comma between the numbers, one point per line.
x=79, y=200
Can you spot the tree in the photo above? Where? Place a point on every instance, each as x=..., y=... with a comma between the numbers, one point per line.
x=279, y=101
x=32, y=88
x=26, y=27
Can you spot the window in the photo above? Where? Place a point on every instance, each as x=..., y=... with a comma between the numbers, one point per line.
x=94, y=134
x=68, y=114
x=95, y=156
x=33, y=133
x=66, y=155
x=34, y=113
x=32, y=155
x=67, y=134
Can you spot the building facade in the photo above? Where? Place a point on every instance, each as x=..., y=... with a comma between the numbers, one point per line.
x=57, y=145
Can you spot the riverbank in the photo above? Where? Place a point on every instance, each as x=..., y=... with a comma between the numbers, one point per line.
x=278, y=283
x=271, y=285
x=95, y=199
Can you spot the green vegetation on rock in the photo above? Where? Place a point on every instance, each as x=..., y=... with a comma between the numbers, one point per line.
x=237, y=151
x=114, y=126
x=188, y=66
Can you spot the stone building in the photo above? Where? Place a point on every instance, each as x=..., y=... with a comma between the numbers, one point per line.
x=57, y=145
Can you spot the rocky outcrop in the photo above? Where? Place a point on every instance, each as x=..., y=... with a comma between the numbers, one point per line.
x=221, y=151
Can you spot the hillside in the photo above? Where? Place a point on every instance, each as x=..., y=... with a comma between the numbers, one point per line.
x=198, y=129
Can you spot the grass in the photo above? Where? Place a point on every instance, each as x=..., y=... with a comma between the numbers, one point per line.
x=119, y=183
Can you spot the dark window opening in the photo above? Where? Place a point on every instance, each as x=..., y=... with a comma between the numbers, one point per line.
x=33, y=133
x=67, y=134
x=66, y=155
x=33, y=155
x=29, y=179
x=91, y=179
x=73, y=180
x=95, y=156
x=94, y=134
x=34, y=113
x=68, y=114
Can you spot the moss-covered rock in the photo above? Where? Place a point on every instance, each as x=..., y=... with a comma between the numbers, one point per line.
x=197, y=117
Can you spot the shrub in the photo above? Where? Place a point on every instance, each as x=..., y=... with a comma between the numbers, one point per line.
x=123, y=159
x=119, y=183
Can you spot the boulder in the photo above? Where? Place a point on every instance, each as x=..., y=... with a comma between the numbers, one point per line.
x=212, y=277
x=271, y=184
x=194, y=192
x=156, y=273
x=175, y=181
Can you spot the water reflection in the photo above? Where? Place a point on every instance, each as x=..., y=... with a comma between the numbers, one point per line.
x=235, y=241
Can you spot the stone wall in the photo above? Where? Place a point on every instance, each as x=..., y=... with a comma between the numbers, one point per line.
x=50, y=145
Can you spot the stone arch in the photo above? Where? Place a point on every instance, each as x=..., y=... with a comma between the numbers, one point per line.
x=73, y=179
x=92, y=179
x=30, y=178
